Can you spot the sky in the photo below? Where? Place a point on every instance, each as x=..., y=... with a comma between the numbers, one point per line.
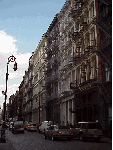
x=22, y=24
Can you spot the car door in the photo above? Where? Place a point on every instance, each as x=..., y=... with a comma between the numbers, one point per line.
x=51, y=130
x=77, y=129
x=47, y=132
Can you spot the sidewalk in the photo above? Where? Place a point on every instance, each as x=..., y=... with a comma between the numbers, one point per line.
x=106, y=140
x=5, y=146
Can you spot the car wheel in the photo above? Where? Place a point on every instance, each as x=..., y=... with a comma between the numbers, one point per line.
x=52, y=138
x=81, y=137
x=45, y=137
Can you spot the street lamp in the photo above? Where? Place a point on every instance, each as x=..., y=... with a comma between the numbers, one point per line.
x=10, y=59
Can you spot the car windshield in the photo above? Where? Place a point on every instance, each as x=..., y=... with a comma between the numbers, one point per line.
x=94, y=126
x=63, y=127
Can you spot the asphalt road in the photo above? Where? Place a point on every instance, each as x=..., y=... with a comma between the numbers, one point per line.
x=36, y=141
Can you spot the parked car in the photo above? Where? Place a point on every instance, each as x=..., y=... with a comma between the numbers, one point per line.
x=25, y=125
x=58, y=132
x=31, y=127
x=18, y=127
x=10, y=125
x=44, y=125
x=88, y=130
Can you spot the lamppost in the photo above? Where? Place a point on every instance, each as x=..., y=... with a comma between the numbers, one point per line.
x=10, y=59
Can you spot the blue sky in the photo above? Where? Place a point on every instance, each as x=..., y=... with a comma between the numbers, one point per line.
x=22, y=24
x=27, y=20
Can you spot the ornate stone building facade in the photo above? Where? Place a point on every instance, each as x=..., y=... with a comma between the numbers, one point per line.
x=52, y=71
x=39, y=56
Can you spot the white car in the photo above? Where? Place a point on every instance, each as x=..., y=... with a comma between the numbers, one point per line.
x=44, y=125
x=58, y=132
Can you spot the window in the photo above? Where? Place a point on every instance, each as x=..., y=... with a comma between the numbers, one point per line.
x=87, y=40
x=56, y=127
x=78, y=79
x=73, y=75
x=92, y=42
x=107, y=74
x=51, y=127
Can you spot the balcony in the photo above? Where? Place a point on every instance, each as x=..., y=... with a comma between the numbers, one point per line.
x=105, y=44
x=55, y=63
x=62, y=48
x=68, y=25
x=68, y=43
x=54, y=96
x=104, y=21
x=65, y=94
x=75, y=13
x=76, y=35
x=48, y=97
x=49, y=54
x=107, y=2
x=48, y=79
x=84, y=26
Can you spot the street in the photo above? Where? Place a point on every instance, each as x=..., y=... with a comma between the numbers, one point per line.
x=36, y=141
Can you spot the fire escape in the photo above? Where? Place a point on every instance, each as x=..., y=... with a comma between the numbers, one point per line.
x=51, y=74
x=104, y=22
x=104, y=50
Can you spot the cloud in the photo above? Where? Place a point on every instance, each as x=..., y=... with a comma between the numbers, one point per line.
x=7, y=43
x=8, y=48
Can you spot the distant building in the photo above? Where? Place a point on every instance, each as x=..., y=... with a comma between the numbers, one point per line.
x=28, y=92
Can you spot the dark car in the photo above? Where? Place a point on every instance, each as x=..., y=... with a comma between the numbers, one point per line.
x=31, y=127
x=88, y=130
x=58, y=132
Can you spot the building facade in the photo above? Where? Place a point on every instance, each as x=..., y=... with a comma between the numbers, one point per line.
x=25, y=96
x=52, y=71
x=28, y=92
x=66, y=67
x=103, y=22
x=39, y=67
x=20, y=102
